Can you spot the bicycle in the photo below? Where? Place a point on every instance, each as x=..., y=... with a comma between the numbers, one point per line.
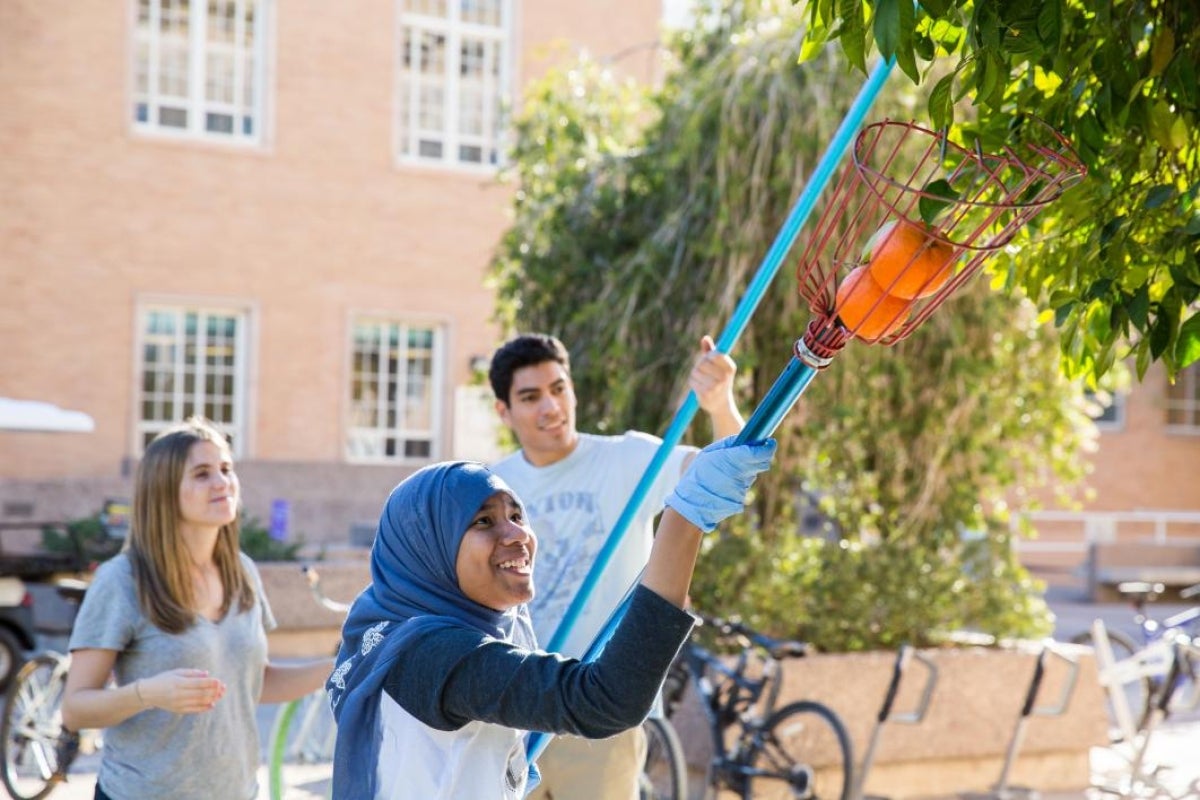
x=800, y=751
x=38, y=750
x=1142, y=776
x=1148, y=656
x=304, y=731
x=664, y=773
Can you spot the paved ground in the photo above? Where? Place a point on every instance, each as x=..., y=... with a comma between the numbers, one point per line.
x=1174, y=749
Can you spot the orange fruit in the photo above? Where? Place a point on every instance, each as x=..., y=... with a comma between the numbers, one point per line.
x=906, y=261
x=868, y=311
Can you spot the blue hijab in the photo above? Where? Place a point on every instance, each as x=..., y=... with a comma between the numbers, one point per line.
x=414, y=590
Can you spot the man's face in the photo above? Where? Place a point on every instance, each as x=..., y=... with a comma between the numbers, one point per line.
x=541, y=412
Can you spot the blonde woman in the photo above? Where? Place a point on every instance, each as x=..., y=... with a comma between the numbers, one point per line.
x=179, y=621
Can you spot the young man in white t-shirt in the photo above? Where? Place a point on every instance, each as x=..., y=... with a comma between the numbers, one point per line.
x=575, y=486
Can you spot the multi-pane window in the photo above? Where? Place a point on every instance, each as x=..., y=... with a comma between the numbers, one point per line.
x=199, y=68
x=1183, y=401
x=395, y=391
x=453, y=73
x=1107, y=409
x=192, y=362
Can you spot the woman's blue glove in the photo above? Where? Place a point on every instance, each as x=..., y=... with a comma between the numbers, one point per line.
x=715, y=484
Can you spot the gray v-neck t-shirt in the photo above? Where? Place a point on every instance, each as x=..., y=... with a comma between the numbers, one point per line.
x=159, y=754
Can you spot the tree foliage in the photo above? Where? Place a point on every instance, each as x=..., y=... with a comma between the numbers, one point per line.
x=639, y=220
x=1121, y=80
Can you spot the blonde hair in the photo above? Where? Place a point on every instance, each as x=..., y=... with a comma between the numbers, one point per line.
x=155, y=548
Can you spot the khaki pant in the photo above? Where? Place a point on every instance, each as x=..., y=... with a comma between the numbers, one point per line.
x=592, y=769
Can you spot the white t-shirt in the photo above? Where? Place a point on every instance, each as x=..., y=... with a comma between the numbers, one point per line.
x=572, y=506
x=478, y=761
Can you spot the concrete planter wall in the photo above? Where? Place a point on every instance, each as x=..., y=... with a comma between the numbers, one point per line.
x=959, y=747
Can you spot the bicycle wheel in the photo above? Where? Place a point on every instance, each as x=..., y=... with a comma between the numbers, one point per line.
x=302, y=740
x=1137, y=693
x=664, y=777
x=37, y=750
x=802, y=752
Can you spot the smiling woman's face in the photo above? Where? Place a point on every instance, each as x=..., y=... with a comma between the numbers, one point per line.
x=495, y=558
x=208, y=493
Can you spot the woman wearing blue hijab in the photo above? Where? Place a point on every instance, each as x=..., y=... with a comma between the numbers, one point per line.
x=439, y=678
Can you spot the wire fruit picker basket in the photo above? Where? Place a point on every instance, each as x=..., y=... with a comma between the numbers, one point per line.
x=911, y=219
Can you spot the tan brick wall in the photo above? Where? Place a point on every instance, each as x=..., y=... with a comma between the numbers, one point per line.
x=318, y=225
x=1142, y=466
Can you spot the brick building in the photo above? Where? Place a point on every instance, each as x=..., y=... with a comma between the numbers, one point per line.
x=279, y=214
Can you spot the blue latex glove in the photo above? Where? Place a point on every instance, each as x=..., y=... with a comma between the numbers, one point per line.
x=715, y=484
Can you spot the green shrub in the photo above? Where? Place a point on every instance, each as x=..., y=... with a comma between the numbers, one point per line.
x=95, y=545
x=85, y=539
x=844, y=595
x=257, y=543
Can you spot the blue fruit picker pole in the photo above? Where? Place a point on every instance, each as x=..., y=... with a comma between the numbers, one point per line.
x=783, y=395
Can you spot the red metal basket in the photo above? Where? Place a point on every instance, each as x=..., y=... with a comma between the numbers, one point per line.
x=877, y=221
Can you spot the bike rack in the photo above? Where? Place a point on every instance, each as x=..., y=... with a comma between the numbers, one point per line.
x=1002, y=790
x=903, y=658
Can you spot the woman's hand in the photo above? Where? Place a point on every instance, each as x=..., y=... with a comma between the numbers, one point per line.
x=715, y=485
x=180, y=691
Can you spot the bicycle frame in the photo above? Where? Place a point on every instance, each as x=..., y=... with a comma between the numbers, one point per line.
x=1156, y=638
x=750, y=701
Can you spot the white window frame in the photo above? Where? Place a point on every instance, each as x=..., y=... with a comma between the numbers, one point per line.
x=1187, y=383
x=1116, y=406
x=408, y=133
x=196, y=103
x=366, y=444
x=183, y=404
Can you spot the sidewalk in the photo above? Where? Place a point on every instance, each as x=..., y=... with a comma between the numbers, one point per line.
x=1174, y=748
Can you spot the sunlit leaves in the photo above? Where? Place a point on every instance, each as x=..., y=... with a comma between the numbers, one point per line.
x=1121, y=80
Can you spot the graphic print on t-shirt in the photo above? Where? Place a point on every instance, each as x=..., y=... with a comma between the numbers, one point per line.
x=565, y=553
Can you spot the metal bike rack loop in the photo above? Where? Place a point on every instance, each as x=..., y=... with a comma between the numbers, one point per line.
x=1029, y=708
x=904, y=657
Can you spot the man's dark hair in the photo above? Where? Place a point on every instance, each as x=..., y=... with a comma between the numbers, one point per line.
x=526, y=350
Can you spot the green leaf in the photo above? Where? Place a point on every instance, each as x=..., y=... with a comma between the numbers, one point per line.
x=1159, y=195
x=904, y=48
x=1049, y=23
x=1187, y=347
x=1099, y=289
x=989, y=75
x=941, y=106
x=1184, y=283
x=1062, y=313
x=1110, y=229
x=1143, y=358
x=1160, y=335
x=936, y=197
x=937, y=8
x=1162, y=49
x=1138, y=307
x=887, y=26
x=852, y=34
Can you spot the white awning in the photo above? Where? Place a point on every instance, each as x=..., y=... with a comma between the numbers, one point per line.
x=34, y=415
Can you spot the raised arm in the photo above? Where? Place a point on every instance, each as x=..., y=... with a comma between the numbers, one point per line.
x=713, y=487
x=711, y=379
